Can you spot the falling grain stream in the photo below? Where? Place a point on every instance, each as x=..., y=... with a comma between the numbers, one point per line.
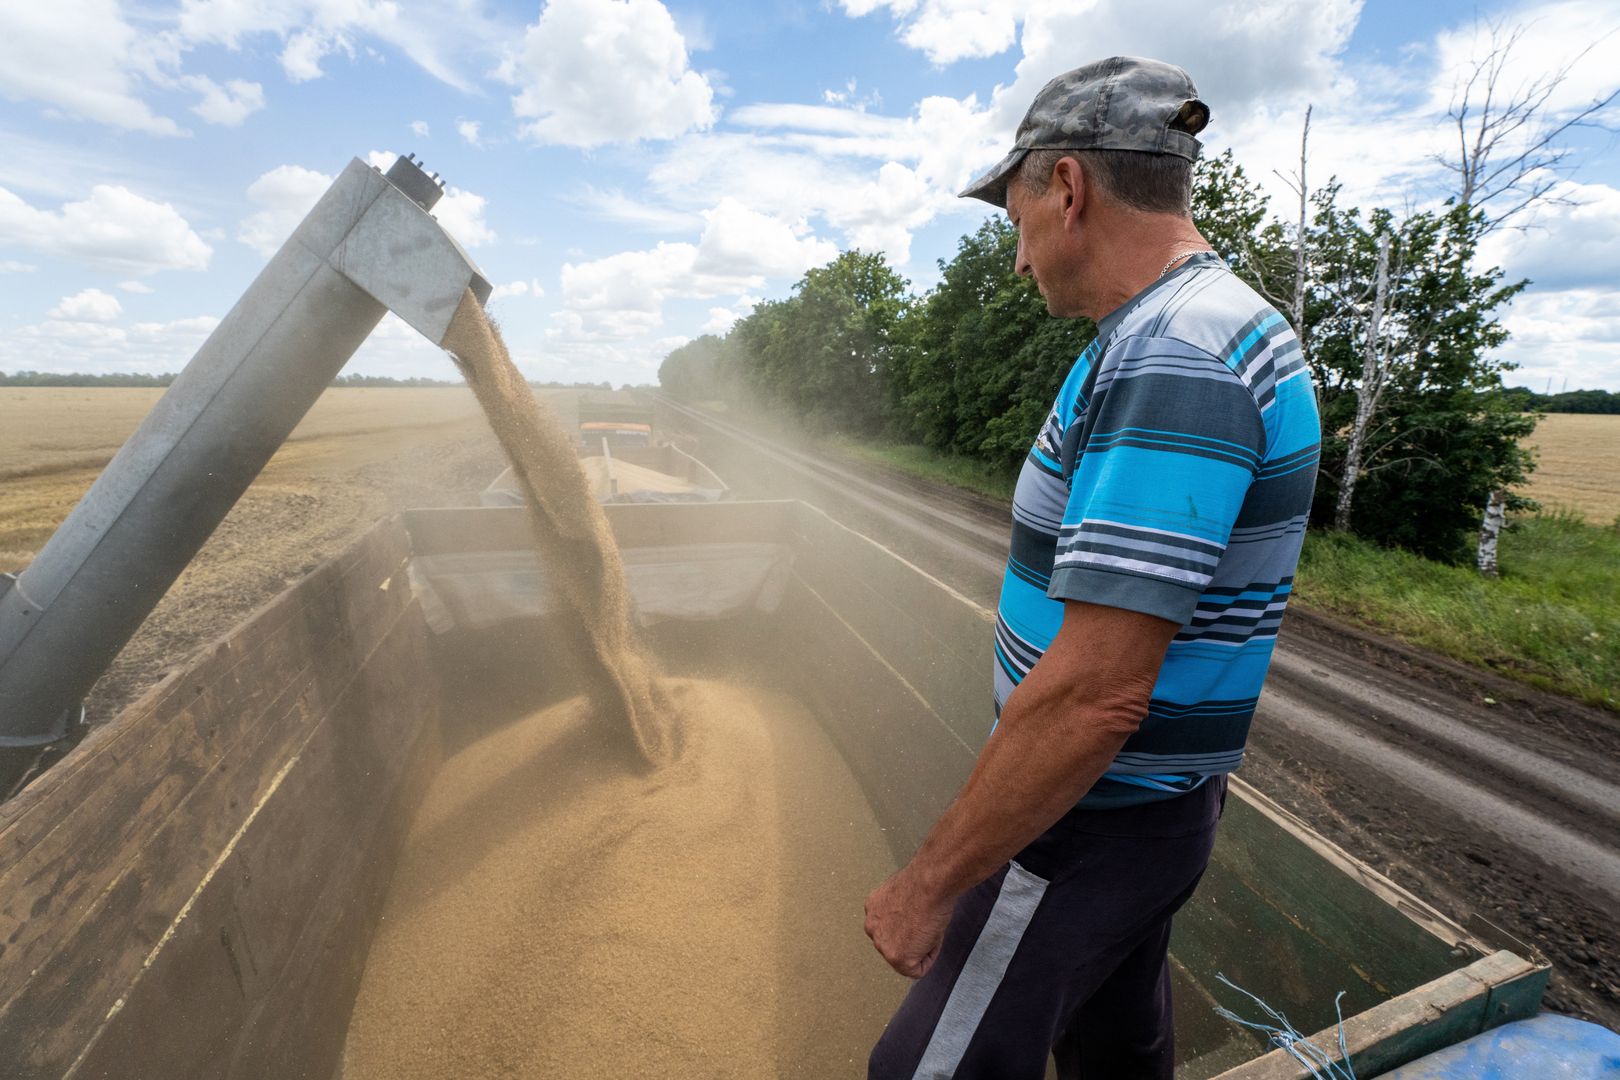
x=660, y=877
x=570, y=535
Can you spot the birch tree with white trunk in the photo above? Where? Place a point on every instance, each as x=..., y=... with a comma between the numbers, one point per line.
x=1375, y=371
x=1509, y=160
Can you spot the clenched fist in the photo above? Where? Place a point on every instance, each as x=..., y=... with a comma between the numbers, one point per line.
x=906, y=923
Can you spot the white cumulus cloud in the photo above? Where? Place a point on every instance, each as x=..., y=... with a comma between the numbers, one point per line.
x=1579, y=34
x=93, y=347
x=462, y=215
x=622, y=296
x=1569, y=336
x=722, y=319
x=84, y=58
x=226, y=105
x=950, y=30
x=875, y=179
x=140, y=287
x=91, y=305
x=88, y=59
x=301, y=59
x=468, y=130
x=592, y=72
x=283, y=196
x=741, y=243
x=530, y=288
x=1229, y=46
x=1570, y=243
x=419, y=128
x=114, y=229
x=312, y=30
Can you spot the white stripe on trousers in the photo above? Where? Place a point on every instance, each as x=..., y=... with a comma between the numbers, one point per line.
x=976, y=984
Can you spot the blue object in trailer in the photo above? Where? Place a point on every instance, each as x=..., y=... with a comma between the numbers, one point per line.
x=1546, y=1047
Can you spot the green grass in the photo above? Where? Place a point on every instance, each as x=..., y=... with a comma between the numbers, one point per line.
x=929, y=464
x=1552, y=619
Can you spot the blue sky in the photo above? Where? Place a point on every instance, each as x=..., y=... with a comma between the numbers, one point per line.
x=632, y=174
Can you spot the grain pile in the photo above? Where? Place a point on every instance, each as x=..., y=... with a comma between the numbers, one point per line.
x=571, y=534
x=610, y=477
x=555, y=915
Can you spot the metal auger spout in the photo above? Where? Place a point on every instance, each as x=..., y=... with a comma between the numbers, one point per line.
x=368, y=247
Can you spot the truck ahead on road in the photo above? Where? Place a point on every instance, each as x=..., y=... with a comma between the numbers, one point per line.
x=620, y=419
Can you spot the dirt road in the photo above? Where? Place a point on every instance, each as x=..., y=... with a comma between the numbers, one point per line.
x=1482, y=796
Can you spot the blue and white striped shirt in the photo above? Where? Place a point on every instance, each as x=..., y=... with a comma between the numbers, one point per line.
x=1173, y=477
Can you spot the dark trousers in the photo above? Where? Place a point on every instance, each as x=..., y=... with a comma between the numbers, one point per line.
x=1061, y=952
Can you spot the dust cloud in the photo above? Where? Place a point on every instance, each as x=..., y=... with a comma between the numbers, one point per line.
x=555, y=914
x=570, y=533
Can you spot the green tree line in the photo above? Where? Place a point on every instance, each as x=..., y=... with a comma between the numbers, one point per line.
x=54, y=378
x=971, y=367
x=1568, y=401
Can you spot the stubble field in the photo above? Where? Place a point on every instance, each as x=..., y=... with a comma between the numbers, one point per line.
x=359, y=455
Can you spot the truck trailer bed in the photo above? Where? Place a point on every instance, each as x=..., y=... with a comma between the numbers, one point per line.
x=197, y=890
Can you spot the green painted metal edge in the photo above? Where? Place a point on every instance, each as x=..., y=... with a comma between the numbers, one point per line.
x=1491, y=991
x=1397, y=897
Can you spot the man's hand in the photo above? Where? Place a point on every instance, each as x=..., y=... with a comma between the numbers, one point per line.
x=1057, y=734
x=907, y=923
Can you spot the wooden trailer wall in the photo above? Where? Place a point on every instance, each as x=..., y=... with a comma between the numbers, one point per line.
x=190, y=893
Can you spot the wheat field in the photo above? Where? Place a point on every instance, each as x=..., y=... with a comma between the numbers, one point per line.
x=1578, y=465
x=359, y=454
x=54, y=441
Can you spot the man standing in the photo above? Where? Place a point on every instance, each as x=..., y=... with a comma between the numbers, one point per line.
x=1156, y=527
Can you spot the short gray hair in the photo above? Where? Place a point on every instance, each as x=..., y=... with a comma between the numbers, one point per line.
x=1151, y=183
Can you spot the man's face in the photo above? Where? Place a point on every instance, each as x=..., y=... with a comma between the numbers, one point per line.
x=1042, y=251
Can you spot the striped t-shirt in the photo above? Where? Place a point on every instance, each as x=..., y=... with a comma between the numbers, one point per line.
x=1173, y=477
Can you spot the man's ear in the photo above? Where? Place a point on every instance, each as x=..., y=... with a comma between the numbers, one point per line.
x=1069, y=178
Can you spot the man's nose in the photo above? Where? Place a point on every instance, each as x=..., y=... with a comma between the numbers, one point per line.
x=1021, y=265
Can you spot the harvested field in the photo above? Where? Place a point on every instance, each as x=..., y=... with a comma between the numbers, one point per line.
x=58, y=429
x=358, y=455
x=1578, y=465
x=54, y=442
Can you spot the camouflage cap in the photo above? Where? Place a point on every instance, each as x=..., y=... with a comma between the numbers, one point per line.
x=1122, y=103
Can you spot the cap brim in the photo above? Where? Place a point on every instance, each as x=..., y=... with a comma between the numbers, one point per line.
x=992, y=186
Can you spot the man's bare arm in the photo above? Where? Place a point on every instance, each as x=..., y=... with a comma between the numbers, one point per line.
x=1058, y=733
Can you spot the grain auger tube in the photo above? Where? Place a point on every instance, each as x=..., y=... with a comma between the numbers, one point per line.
x=368, y=247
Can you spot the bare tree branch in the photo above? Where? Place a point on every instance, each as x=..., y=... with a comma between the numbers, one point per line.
x=1508, y=159
x=1382, y=466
